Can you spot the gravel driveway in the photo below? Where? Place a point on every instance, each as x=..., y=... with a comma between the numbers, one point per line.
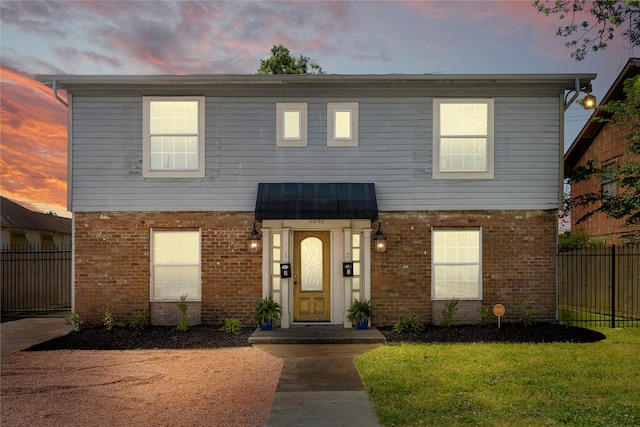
x=216, y=387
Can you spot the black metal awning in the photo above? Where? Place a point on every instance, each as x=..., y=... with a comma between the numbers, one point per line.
x=316, y=201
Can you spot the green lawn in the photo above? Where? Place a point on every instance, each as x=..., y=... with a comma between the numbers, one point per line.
x=595, y=384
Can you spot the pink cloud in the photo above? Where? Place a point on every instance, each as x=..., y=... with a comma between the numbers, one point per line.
x=34, y=141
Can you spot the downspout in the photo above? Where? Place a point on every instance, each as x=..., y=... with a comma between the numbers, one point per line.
x=567, y=104
x=54, y=86
x=56, y=96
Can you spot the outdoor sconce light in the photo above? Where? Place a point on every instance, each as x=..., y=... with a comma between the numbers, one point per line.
x=254, y=240
x=380, y=240
x=589, y=101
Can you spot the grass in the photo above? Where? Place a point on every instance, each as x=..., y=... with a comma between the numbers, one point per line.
x=594, y=384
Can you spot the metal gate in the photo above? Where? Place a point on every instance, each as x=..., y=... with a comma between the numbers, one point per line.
x=600, y=287
x=35, y=280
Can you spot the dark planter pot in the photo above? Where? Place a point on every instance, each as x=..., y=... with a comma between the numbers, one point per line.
x=266, y=326
x=363, y=325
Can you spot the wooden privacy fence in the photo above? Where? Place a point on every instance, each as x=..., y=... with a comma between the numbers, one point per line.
x=34, y=280
x=600, y=286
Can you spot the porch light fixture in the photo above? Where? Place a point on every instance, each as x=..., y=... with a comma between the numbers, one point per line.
x=254, y=240
x=380, y=240
x=589, y=101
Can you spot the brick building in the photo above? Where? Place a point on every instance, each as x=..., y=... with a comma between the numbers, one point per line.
x=605, y=144
x=170, y=175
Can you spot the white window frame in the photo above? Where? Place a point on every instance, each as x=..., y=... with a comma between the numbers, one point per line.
x=489, y=172
x=434, y=231
x=153, y=264
x=147, y=172
x=281, y=109
x=332, y=109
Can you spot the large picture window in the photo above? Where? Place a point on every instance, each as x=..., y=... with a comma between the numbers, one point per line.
x=457, y=264
x=175, y=265
x=173, y=137
x=463, y=139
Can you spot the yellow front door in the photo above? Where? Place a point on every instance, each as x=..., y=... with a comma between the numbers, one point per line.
x=311, y=290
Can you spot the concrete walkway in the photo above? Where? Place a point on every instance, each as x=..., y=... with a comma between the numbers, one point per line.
x=21, y=334
x=320, y=386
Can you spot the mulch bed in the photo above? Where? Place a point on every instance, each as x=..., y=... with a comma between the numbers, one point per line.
x=206, y=336
x=510, y=332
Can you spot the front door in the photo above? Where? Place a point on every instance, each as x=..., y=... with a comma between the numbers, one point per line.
x=311, y=284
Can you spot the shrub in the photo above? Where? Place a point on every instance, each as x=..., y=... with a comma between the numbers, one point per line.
x=483, y=317
x=409, y=324
x=75, y=321
x=448, y=311
x=139, y=320
x=109, y=321
x=231, y=326
x=579, y=239
x=184, y=324
x=525, y=315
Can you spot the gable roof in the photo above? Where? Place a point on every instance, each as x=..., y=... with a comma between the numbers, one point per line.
x=591, y=129
x=16, y=216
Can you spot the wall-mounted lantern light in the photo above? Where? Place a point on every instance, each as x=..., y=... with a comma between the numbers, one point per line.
x=589, y=101
x=254, y=240
x=380, y=240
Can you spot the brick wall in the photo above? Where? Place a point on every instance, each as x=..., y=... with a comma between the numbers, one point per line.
x=608, y=146
x=112, y=255
x=518, y=261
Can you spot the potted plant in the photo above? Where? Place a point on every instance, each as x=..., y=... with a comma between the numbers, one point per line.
x=360, y=313
x=266, y=310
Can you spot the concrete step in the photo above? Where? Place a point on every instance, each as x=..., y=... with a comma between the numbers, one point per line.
x=317, y=334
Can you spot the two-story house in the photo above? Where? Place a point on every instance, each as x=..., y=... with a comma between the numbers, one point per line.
x=606, y=144
x=170, y=175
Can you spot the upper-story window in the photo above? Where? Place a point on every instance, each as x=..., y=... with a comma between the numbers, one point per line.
x=291, y=124
x=342, y=124
x=173, y=137
x=608, y=181
x=463, y=139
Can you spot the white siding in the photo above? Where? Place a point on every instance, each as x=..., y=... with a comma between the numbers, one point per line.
x=394, y=152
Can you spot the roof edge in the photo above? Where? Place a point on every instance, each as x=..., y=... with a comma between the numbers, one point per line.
x=70, y=80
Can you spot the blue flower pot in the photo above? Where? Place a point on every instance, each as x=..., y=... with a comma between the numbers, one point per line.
x=363, y=325
x=266, y=326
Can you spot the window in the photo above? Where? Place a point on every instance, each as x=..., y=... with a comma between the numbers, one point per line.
x=356, y=258
x=463, y=139
x=342, y=124
x=47, y=243
x=291, y=124
x=18, y=241
x=173, y=137
x=456, y=264
x=276, y=260
x=175, y=265
x=608, y=181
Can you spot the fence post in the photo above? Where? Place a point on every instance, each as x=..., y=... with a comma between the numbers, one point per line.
x=613, y=287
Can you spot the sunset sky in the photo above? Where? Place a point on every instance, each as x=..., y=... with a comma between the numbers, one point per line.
x=218, y=37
